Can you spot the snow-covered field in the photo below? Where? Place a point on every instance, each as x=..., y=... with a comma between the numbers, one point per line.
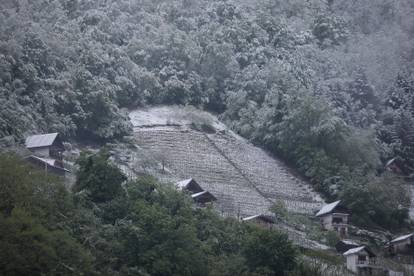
x=244, y=178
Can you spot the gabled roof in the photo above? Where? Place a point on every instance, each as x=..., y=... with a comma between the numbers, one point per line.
x=328, y=208
x=390, y=162
x=206, y=195
x=357, y=250
x=189, y=184
x=42, y=140
x=48, y=161
x=349, y=242
x=401, y=238
x=265, y=218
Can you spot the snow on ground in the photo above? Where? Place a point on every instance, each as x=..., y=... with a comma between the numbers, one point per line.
x=173, y=115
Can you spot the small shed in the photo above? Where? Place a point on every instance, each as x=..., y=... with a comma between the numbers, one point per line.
x=261, y=220
x=403, y=244
x=203, y=197
x=189, y=185
x=46, y=145
x=48, y=165
x=334, y=216
x=361, y=260
x=344, y=245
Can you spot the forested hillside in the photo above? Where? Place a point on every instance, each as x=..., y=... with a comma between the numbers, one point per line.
x=327, y=85
x=142, y=228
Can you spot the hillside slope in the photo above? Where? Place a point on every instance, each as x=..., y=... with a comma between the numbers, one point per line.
x=244, y=178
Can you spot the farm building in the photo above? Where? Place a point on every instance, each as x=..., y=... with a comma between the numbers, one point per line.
x=334, y=217
x=189, y=185
x=344, y=245
x=362, y=261
x=261, y=220
x=402, y=245
x=46, y=145
x=49, y=165
x=198, y=194
x=203, y=198
x=47, y=152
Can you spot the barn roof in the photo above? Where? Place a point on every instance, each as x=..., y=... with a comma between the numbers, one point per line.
x=184, y=183
x=261, y=216
x=49, y=162
x=401, y=238
x=42, y=140
x=349, y=242
x=328, y=208
x=203, y=194
x=356, y=250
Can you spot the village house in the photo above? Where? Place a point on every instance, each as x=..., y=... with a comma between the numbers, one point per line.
x=47, y=152
x=362, y=261
x=198, y=194
x=189, y=185
x=261, y=220
x=402, y=245
x=334, y=217
x=203, y=198
x=344, y=245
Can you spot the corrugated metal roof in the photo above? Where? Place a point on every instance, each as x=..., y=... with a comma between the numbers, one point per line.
x=328, y=208
x=401, y=238
x=42, y=140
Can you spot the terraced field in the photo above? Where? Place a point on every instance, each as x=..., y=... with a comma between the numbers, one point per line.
x=245, y=180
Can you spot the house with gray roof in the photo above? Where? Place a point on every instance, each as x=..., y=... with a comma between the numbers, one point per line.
x=402, y=244
x=47, y=152
x=362, y=261
x=334, y=217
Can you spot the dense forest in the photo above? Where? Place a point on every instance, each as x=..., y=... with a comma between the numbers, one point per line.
x=139, y=228
x=327, y=85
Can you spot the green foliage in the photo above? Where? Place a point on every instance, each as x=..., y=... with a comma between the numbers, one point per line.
x=98, y=176
x=33, y=230
x=150, y=230
x=301, y=78
x=268, y=253
x=379, y=200
x=29, y=248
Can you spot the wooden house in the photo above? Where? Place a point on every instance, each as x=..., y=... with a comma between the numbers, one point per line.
x=344, y=245
x=203, y=198
x=46, y=145
x=402, y=245
x=189, y=185
x=362, y=261
x=48, y=165
x=261, y=220
x=198, y=194
x=334, y=216
x=47, y=152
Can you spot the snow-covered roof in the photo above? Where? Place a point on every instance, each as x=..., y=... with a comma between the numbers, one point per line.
x=390, y=162
x=42, y=140
x=354, y=250
x=328, y=208
x=402, y=238
x=202, y=193
x=48, y=161
x=261, y=216
x=349, y=242
x=183, y=184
